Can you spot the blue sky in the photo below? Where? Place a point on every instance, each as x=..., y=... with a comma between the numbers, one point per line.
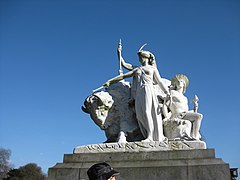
x=54, y=53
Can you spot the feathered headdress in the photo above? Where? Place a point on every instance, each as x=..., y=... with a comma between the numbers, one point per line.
x=177, y=77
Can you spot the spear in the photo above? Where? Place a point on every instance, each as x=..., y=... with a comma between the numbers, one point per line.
x=120, y=56
x=120, y=64
x=98, y=89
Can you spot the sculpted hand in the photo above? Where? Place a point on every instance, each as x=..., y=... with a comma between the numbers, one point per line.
x=168, y=96
x=119, y=49
x=119, y=46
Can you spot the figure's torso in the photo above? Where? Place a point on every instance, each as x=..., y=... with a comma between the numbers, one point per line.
x=145, y=74
x=179, y=103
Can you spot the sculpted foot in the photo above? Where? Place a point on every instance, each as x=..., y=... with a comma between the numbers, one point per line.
x=147, y=140
x=188, y=138
x=122, y=137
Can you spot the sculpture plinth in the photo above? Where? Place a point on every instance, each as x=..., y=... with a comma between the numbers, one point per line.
x=197, y=164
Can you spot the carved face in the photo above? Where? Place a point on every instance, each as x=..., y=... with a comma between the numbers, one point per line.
x=180, y=81
x=99, y=115
x=180, y=84
x=98, y=105
x=142, y=59
x=144, y=56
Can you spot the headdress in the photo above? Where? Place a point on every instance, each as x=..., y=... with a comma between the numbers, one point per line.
x=145, y=54
x=177, y=77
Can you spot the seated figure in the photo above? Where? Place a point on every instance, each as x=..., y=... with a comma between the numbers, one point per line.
x=179, y=122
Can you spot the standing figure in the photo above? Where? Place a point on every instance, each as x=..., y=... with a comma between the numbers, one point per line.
x=178, y=106
x=130, y=67
x=146, y=103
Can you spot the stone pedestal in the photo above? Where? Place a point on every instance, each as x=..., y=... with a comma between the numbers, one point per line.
x=141, y=163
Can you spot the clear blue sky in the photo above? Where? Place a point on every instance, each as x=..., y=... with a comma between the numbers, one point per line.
x=54, y=53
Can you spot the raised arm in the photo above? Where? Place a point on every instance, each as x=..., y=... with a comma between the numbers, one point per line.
x=126, y=65
x=122, y=61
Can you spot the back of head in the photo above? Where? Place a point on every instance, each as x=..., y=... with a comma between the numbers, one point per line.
x=101, y=171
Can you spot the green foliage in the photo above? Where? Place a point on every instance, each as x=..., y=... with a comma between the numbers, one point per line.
x=28, y=172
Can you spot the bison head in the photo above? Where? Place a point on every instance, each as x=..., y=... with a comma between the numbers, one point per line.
x=98, y=105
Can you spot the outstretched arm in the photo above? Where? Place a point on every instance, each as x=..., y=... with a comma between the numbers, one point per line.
x=119, y=78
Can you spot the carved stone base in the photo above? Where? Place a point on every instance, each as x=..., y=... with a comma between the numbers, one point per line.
x=140, y=146
x=141, y=163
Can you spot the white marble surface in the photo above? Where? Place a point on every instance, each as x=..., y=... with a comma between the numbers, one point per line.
x=140, y=146
x=149, y=109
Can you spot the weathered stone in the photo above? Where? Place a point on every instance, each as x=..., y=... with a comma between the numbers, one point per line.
x=140, y=146
x=197, y=164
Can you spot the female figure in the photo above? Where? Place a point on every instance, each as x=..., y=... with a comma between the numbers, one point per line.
x=146, y=102
x=130, y=67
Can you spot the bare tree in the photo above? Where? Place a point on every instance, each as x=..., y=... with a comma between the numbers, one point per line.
x=4, y=161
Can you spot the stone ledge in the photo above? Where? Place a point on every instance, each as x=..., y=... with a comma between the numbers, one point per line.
x=140, y=146
x=136, y=156
x=189, y=164
x=146, y=163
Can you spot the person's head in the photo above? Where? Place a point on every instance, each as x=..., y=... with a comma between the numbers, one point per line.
x=146, y=56
x=101, y=171
x=180, y=81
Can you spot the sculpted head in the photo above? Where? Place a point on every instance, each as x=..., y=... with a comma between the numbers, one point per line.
x=98, y=105
x=180, y=81
x=146, y=56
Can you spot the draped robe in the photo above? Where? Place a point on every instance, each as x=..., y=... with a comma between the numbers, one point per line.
x=146, y=105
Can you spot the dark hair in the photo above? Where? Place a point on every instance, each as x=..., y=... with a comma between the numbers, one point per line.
x=101, y=171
